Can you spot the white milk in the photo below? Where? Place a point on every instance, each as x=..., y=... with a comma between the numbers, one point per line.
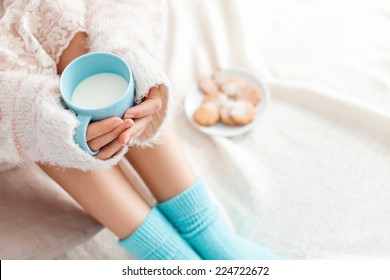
x=99, y=91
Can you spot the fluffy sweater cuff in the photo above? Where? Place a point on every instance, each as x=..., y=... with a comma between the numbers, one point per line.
x=35, y=127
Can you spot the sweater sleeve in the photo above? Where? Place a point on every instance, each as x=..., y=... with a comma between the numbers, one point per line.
x=135, y=31
x=35, y=127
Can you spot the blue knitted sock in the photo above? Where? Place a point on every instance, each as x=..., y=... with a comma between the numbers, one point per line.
x=157, y=239
x=199, y=222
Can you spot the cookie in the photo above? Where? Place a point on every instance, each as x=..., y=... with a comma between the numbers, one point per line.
x=213, y=97
x=250, y=93
x=242, y=112
x=224, y=115
x=207, y=114
x=217, y=98
x=233, y=86
x=207, y=85
x=237, y=80
x=219, y=76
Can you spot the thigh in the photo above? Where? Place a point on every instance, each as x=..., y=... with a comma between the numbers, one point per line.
x=106, y=195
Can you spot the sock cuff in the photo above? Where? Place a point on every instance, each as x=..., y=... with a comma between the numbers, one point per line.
x=194, y=199
x=154, y=239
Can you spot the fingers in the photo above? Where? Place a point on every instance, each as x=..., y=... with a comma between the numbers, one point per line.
x=109, y=150
x=110, y=134
x=130, y=134
x=151, y=105
x=100, y=141
x=115, y=144
x=96, y=129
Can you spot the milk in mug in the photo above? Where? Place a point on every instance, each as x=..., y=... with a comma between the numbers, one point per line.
x=98, y=91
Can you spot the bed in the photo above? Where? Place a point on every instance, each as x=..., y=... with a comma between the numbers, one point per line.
x=309, y=181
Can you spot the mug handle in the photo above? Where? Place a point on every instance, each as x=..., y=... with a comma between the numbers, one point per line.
x=81, y=134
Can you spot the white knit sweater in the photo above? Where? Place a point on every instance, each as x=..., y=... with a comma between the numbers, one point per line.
x=34, y=125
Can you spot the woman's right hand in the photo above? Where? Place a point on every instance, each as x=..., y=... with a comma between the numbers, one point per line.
x=104, y=134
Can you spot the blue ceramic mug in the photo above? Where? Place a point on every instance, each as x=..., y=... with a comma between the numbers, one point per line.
x=84, y=67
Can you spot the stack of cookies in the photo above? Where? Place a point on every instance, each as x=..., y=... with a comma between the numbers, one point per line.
x=228, y=99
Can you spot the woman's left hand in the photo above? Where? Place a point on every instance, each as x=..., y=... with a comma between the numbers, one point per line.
x=142, y=115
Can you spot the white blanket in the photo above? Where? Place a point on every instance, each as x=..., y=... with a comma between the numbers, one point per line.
x=311, y=180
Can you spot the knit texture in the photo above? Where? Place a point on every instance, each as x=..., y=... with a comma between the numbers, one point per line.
x=156, y=239
x=36, y=128
x=34, y=125
x=136, y=32
x=200, y=222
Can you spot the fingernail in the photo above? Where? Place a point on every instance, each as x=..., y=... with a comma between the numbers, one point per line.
x=117, y=122
x=127, y=140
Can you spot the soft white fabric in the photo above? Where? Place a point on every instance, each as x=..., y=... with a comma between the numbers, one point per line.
x=136, y=31
x=34, y=126
x=34, y=33
x=311, y=180
x=38, y=219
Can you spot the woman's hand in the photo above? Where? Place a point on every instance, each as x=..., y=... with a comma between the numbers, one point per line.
x=104, y=135
x=109, y=135
x=142, y=115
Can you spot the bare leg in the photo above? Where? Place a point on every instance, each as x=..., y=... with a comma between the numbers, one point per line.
x=164, y=167
x=106, y=195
